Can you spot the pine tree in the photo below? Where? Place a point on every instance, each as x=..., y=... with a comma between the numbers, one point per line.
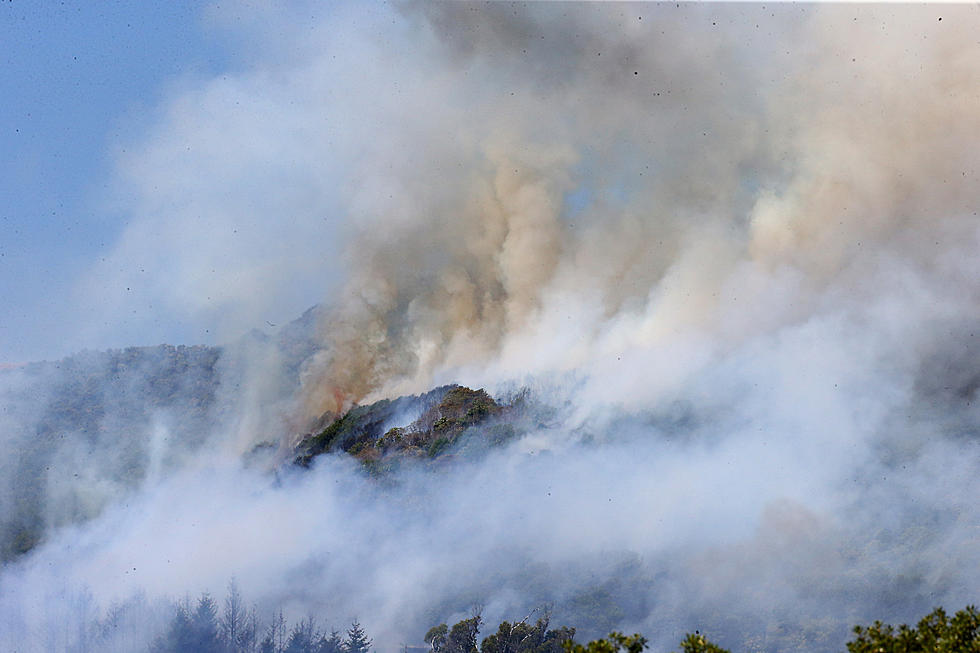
x=249, y=634
x=357, y=640
x=275, y=635
x=233, y=619
x=332, y=644
x=204, y=626
x=179, y=634
x=304, y=637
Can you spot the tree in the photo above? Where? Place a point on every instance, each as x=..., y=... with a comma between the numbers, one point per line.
x=696, y=643
x=275, y=635
x=507, y=639
x=936, y=633
x=234, y=620
x=615, y=643
x=192, y=631
x=178, y=636
x=524, y=638
x=249, y=633
x=462, y=637
x=204, y=626
x=331, y=644
x=304, y=637
x=436, y=637
x=357, y=641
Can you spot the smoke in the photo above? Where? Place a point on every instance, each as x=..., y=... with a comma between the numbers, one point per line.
x=639, y=186
x=734, y=248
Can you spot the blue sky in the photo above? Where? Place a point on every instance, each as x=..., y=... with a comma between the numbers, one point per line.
x=180, y=172
x=171, y=168
x=78, y=79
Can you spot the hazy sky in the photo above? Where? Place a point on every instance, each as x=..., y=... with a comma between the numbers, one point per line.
x=78, y=81
x=88, y=88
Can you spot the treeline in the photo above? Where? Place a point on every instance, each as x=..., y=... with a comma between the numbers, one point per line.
x=520, y=637
x=937, y=632
x=234, y=628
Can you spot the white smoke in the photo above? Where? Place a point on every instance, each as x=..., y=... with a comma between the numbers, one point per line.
x=735, y=246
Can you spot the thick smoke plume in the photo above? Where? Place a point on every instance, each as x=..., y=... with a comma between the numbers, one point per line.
x=595, y=179
x=734, y=248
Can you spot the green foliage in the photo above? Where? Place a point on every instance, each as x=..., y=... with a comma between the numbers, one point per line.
x=204, y=623
x=697, y=643
x=357, y=641
x=497, y=434
x=447, y=413
x=361, y=429
x=304, y=637
x=935, y=633
x=524, y=638
x=452, y=419
x=338, y=430
x=357, y=448
x=462, y=636
x=332, y=644
x=614, y=643
x=438, y=446
x=189, y=630
x=436, y=637
x=460, y=408
x=393, y=437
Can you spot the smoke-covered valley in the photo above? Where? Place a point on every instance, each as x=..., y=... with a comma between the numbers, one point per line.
x=725, y=257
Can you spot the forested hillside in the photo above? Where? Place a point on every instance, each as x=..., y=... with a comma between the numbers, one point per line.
x=88, y=429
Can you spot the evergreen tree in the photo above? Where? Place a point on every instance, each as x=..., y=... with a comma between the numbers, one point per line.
x=179, y=634
x=248, y=637
x=357, y=640
x=234, y=620
x=204, y=627
x=332, y=644
x=274, y=640
x=304, y=637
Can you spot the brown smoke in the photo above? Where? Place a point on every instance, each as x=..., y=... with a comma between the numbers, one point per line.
x=643, y=169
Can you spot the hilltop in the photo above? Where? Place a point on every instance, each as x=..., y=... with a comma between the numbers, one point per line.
x=423, y=427
x=85, y=430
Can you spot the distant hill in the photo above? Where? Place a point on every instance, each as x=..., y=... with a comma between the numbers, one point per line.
x=79, y=432
x=423, y=427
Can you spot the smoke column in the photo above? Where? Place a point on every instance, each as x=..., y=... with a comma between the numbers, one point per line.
x=633, y=174
x=735, y=248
